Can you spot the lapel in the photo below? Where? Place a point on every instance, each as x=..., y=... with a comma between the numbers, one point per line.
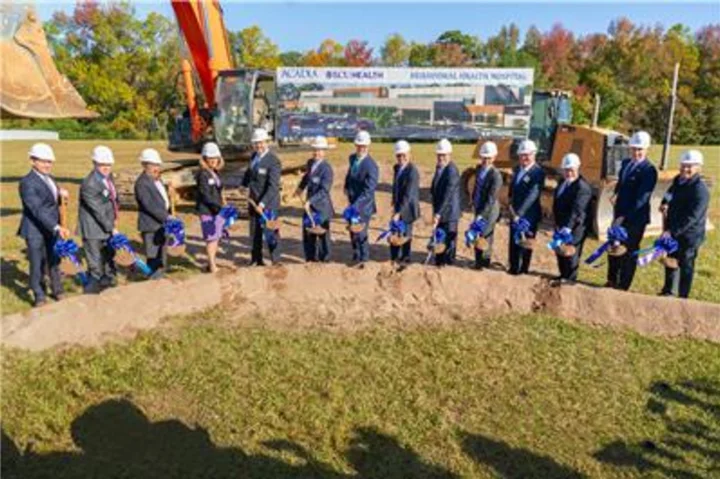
x=437, y=179
x=153, y=188
x=47, y=187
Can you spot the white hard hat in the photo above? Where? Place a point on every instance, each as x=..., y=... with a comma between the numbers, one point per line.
x=362, y=138
x=42, y=151
x=691, y=157
x=319, y=143
x=527, y=147
x=150, y=155
x=571, y=160
x=488, y=149
x=444, y=147
x=211, y=150
x=102, y=155
x=401, y=147
x=259, y=134
x=640, y=139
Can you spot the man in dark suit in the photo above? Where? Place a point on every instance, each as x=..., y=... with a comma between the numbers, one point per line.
x=445, y=192
x=40, y=223
x=571, y=211
x=526, y=188
x=153, y=210
x=636, y=181
x=262, y=179
x=488, y=182
x=98, y=219
x=405, y=198
x=360, y=183
x=685, y=207
x=317, y=182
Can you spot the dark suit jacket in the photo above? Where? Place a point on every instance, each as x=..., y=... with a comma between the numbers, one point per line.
x=525, y=195
x=572, y=208
x=319, y=185
x=96, y=216
x=485, y=198
x=152, y=212
x=41, y=211
x=263, y=182
x=687, y=209
x=445, y=191
x=406, y=193
x=208, y=196
x=633, y=192
x=360, y=185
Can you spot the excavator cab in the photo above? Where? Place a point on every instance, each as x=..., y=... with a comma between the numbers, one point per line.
x=549, y=110
x=30, y=84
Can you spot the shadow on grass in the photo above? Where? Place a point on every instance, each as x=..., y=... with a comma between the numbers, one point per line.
x=116, y=439
x=514, y=462
x=689, y=448
x=15, y=279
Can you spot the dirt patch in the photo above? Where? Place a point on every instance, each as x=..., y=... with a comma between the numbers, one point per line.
x=338, y=298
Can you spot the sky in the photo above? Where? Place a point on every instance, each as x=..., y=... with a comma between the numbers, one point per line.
x=299, y=25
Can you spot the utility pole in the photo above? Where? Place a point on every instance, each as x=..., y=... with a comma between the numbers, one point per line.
x=596, y=110
x=671, y=115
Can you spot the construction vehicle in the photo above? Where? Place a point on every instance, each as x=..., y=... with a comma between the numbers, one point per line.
x=601, y=151
x=30, y=84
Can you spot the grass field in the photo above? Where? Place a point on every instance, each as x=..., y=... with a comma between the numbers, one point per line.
x=512, y=397
x=73, y=164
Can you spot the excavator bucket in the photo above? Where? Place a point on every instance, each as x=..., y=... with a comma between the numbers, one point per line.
x=30, y=84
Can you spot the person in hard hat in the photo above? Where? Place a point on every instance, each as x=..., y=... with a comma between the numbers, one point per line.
x=486, y=205
x=445, y=192
x=40, y=223
x=317, y=184
x=685, y=208
x=153, y=210
x=209, y=200
x=405, y=198
x=262, y=179
x=631, y=208
x=360, y=183
x=526, y=186
x=97, y=220
x=571, y=211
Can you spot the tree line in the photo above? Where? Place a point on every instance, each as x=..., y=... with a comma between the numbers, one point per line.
x=127, y=69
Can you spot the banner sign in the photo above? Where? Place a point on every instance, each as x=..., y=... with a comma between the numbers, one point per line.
x=403, y=103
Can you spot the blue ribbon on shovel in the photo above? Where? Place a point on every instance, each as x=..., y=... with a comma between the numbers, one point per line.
x=616, y=235
x=175, y=232
x=663, y=246
x=230, y=215
x=561, y=237
x=121, y=242
x=68, y=249
x=476, y=230
x=520, y=229
x=394, y=228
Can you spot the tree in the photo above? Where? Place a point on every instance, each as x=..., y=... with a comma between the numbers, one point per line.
x=329, y=53
x=449, y=55
x=395, y=52
x=253, y=49
x=123, y=67
x=469, y=46
x=357, y=54
x=291, y=59
x=421, y=55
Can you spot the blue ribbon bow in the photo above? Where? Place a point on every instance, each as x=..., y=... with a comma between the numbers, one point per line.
x=663, y=246
x=476, y=230
x=520, y=230
x=352, y=215
x=561, y=237
x=230, y=215
x=616, y=235
x=121, y=242
x=175, y=231
x=69, y=249
x=394, y=228
x=438, y=236
x=316, y=220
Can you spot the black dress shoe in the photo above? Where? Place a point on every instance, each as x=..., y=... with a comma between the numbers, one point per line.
x=58, y=296
x=159, y=274
x=39, y=302
x=108, y=282
x=92, y=288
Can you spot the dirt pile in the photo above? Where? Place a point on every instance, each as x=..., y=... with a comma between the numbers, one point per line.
x=337, y=297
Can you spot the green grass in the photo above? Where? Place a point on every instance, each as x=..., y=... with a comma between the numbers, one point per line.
x=512, y=396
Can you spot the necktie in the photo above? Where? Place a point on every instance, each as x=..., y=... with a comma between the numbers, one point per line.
x=113, y=195
x=521, y=172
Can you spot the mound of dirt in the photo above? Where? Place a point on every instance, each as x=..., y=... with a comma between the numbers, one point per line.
x=337, y=297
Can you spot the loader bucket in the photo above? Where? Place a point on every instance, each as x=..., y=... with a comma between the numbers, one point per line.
x=30, y=84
